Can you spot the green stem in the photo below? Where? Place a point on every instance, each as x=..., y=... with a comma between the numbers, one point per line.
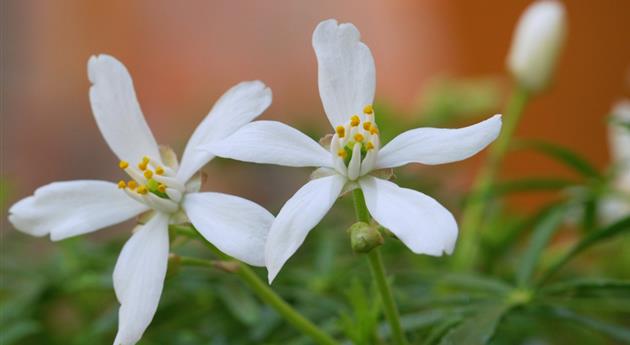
x=259, y=287
x=466, y=256
x=378, y=272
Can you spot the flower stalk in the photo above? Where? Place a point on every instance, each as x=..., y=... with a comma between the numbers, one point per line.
x=260, y=288
x=378, y=272
x=466, y=256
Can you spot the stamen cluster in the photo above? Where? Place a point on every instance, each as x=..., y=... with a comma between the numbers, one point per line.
x=152, y=184
x=355, y=144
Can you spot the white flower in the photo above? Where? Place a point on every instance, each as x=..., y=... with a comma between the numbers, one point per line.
x=346, y=85
x=236, y=226
x=536, y=44
x=617, y=205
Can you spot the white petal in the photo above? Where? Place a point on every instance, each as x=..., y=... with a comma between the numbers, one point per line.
x=238, y=106
x=438, y=145
x=139, y=278
x=238, y=227
x=297, y=217
x=272, y=142
x=64, y=209
x=419, y=221
x=117, y=111
x=346, y=74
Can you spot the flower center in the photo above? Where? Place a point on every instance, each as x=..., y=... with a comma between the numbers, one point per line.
x=355, y=144
x=152, y=184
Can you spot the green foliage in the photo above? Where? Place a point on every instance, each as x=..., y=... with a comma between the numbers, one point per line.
x=541, y=278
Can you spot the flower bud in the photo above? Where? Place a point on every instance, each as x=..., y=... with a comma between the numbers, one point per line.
x=364, y=237
x=619, y=135
x=536, y=43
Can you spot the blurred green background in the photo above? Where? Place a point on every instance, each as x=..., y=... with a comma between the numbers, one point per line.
x=438, y=63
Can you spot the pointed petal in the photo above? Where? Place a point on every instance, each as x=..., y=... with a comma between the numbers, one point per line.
x=271, y=142
x=238, y=227
x=65, y=209
x=419, y=221
x=346, y=74
x=438, y=145
x=117, y=111
x=237, y=107
x=139, y=278
x=297, y=217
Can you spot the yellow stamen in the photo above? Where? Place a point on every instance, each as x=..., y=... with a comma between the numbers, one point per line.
x=159, y=171
x=123, y=164
x=355, y=120
x=142, y=166
x=341, y=131
x=148, y=174
x=161, y=188
x=373, y=130
x=369, y=145
x=342, y=153
x=358, y=137
x=367, y=125
x=146, y=159
x=368, y=109
x=142, y=190
x=122, y=184
x=132, y=184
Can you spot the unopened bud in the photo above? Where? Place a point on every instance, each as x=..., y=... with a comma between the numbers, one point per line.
x=364, y=237
x=536, y=44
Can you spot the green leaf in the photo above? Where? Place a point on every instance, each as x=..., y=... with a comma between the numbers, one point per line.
x=587, y=285
x=240, y=302
x=477, y=329
x=532, y=184
x=543, y=232
x=562, y=155
x=616, y=332
x=591, y=239
x=442, y=328
x=469, y=282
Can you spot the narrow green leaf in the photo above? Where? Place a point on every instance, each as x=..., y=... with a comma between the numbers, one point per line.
x=586, y=285
x=561, y=154
x=614, y=331
x=532, y=184
x=543, y=232
x=469, y=282
x=591, y=239
x=477, y=329
x=442, y=328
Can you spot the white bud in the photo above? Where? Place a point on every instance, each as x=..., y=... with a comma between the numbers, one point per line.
x=619, y=135
x=536, y=44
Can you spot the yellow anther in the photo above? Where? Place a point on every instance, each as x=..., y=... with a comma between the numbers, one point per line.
x=122, y=184
x=146, y=159
x=369, y=145
x=148, y=174
x=355, y=120
x=159, y=171
x=373, y=130
x=342, y=153
x=132, y=184
x=367, y=125
x=368, y=109
x=358, y=137
x=143, y=190
x=341, y=131
x=123, y=164
x=142, y=166
x=161, y=188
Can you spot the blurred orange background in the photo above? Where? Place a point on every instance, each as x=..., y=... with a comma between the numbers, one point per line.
x=182, y=58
